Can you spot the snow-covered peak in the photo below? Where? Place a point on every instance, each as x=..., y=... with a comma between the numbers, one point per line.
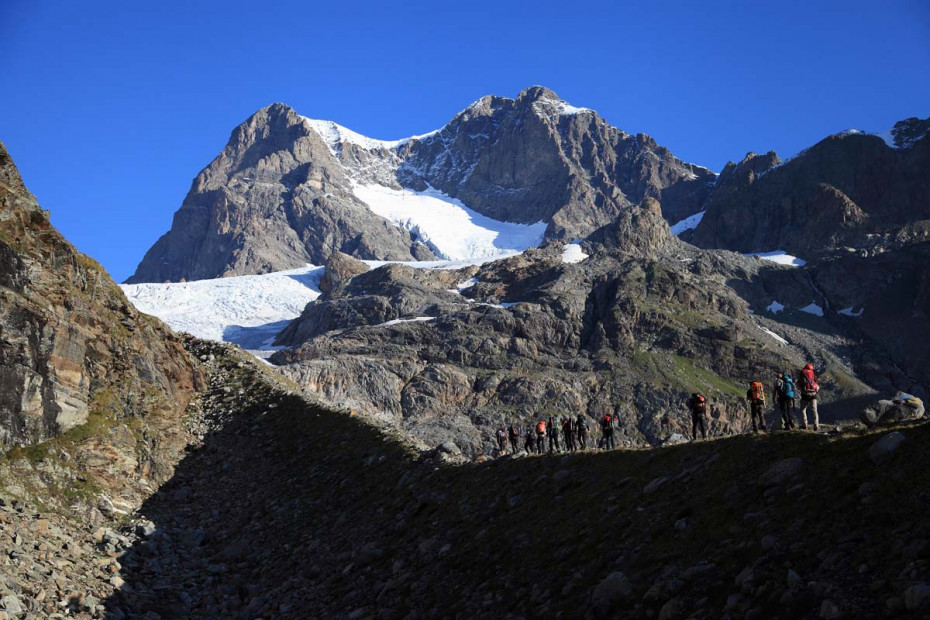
x=335, y=134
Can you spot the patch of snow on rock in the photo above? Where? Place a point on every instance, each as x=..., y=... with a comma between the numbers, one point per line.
x=812, y=308
x=849, y=312
x=447, y=226
x=689, y=223
x=775, y=307
x=572, y=253
x=781, y=257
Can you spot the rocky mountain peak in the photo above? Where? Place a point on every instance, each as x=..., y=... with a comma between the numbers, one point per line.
x=535, y=93
x=909, y=131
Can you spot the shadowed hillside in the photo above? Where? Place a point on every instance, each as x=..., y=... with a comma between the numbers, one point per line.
x=288, y=510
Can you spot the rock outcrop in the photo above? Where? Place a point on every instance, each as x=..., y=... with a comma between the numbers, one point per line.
x=72, y=348
x=452, y=355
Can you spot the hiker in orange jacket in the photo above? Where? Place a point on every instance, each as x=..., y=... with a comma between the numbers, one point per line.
x=756, y=397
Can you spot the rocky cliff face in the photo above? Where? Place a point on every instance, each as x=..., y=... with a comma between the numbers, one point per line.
x=536, y=158
x=834, y=194
x=281, y=193
x=71, y=346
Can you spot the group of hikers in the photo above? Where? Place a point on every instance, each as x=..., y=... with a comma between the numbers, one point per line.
x=557, y=434
x=786, y=390
x=569, y=434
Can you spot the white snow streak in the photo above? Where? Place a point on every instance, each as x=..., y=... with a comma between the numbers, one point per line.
x=773, y=335
x=775, y=307
x=849, y=312
x=781, y=257
x=689, y=223
x=399, y=321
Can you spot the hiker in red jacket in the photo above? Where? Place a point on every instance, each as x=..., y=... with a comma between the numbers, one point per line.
x=807, y=385
x=541, y=437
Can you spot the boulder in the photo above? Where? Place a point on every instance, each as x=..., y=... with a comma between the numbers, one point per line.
x=609, y=593
x=903, y=407
x=781, y=472
x=917, y=598
x=340, y=267
x=884, y=448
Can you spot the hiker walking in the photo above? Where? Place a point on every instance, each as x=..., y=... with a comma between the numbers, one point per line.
x=756, y=397
x=581, y=426
x=607, y=432
x=568, y=431
x=697, y=404
x=553, y=435
x=807, y=382
x=514, y=435
x=784, y=397
x=540, y=437
x=529, y=443
x=501, y=440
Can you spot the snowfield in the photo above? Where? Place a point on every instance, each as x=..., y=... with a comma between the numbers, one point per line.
x=251, y=311
x=447, y=226
x=246, y=310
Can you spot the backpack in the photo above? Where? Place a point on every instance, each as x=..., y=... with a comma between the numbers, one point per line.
x=757, y=391
x=787, y=388
x=541, y=428
x=700, y=404
x=809, y=387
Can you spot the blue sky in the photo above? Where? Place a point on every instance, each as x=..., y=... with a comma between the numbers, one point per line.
x=111, y=108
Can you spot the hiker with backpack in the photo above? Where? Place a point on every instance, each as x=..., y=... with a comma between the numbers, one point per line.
x=581, y=426
x=529, y=442
x=514, y=435
x=756, y=397
x=784, y=397
x=807, y=383
x=553, y=435
x=607, y=432
x=540, y=437
x=697, y=404
x=568, y=431
x=501, y=440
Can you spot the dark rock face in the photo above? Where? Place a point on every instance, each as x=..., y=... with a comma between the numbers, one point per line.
x=834, y=194
x=70, y=344
x=537, y=159
x=280, y=194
